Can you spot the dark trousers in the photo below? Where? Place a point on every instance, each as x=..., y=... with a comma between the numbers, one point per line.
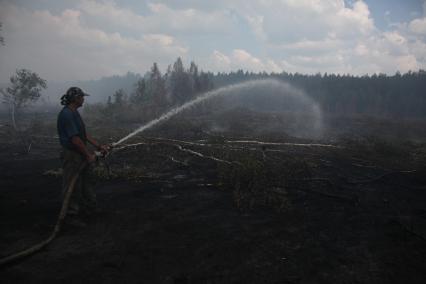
x=83, y=199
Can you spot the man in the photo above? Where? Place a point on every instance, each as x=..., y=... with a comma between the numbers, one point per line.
x=74, y=140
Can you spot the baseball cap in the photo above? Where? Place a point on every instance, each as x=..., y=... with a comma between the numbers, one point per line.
x=75, y=92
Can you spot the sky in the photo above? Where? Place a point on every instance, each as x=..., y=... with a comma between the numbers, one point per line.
x=88, y=39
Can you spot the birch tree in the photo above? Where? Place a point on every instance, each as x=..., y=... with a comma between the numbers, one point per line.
x=25, y=88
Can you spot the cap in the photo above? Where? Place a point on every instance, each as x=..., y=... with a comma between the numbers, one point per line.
x=75, y=92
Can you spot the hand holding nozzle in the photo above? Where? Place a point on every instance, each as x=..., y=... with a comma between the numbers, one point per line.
x=104, y=150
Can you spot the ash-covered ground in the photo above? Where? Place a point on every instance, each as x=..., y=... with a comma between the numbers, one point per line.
x=187, y=203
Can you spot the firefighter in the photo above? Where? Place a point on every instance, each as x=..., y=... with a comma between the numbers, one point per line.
x=75, y=151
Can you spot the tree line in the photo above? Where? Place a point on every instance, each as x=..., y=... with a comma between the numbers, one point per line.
x=155, y=92
x=398, y=95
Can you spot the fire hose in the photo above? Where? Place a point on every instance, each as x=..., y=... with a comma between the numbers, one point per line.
x=65, y=204
x=70, y=189
x=62, y=214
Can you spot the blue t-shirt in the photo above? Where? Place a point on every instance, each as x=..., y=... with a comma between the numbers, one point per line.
x=70, y=124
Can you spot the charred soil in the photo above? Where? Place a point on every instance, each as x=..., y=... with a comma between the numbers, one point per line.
x=215, y=210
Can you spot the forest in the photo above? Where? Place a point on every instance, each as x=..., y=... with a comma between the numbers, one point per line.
x=378, y=95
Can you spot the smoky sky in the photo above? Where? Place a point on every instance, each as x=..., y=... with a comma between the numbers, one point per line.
x=82, y=40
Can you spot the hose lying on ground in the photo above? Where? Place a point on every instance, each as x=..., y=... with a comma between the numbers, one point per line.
x=61, y=218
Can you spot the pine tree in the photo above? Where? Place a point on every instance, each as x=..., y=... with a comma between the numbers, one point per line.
x=155, y=86
x=180, y=83
x=139, y=95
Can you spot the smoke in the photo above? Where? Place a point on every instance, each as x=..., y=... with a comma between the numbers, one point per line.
x=306, y=115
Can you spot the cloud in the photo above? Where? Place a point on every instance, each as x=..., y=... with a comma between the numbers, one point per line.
x=418, y=26
x=324, y=36
x=315, y=36
x=61, y=47
x=159, y=19
x=206, y=6
x=289, y=20
x=220, y=61
x=332, y=37
x=241, y=59
x=317, y=46
x=92, y=38
x=108, y=14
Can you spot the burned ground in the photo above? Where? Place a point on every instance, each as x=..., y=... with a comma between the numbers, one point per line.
x=191, y=206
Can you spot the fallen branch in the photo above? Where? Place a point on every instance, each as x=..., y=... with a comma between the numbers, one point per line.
x=175, y=161
x=282, y=144
x=364, y=166
x=215, y=146
x=180, y=148
x=201, y=155
x=179, y=141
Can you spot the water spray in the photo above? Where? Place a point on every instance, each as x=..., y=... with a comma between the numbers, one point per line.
x=216, y=93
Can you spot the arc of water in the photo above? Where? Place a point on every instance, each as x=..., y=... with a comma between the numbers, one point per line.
x=199, y=99
x=177, y=110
